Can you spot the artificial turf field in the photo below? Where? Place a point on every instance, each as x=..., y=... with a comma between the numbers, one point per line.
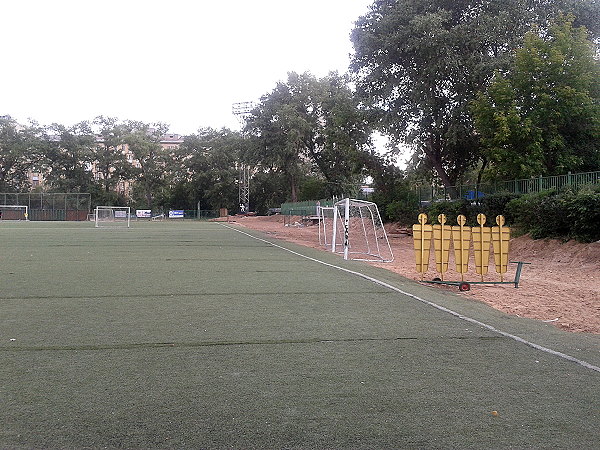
x=198, y=335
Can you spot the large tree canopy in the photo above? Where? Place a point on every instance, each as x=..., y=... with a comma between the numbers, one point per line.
x=22, y=150
x=210, y=160
x=310, y=125
x=109, y=159
x=152, y=160
x=543, y=116
x=67, y=158
x=419, y=64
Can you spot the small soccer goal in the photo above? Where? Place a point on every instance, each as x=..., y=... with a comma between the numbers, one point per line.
x=112, y=216
x=357, y=231
x=14, y=212
x=325, y=214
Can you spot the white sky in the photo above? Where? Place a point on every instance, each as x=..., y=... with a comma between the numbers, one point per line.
x=181, y=62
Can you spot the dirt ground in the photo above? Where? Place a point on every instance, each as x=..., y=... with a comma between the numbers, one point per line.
x=560, y=286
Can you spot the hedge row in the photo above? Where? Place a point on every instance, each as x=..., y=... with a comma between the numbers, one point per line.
x=564, y=215
x=491, y=206
x=550, y=214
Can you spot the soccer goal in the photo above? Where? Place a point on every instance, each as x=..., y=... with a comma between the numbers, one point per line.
x=357, y=231
x=14, y=212
x=112, y=216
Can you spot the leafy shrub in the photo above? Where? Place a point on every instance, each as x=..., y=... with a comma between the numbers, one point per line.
x=584, y=213
x=404, y=211
x=495, y=205
x=564, y=215
x=395, y=197
x=452, y=209
x=532, y=213
x=568, y=214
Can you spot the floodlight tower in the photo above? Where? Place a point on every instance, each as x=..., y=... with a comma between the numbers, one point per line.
x=242, y=110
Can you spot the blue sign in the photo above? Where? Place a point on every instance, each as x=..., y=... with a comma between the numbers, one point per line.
x=176, y=214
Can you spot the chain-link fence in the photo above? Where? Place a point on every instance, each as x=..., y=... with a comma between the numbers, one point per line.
x=51, y=205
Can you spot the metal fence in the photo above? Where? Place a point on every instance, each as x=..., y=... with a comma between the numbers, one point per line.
x=305, y=208
x=526, y=186
x=75, y=206
x=51, y=205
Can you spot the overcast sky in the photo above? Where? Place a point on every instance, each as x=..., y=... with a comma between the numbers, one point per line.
x=182, y=62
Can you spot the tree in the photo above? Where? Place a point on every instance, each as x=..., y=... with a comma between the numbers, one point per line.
x=21, y=151
x=211, y=160
x=68, y=158
x=268, y=189
x=341, y=134
x=307, y=125
x=394, y=192
x=543, y=116
x=152, y=160
x=108, y=154
x=419, y=64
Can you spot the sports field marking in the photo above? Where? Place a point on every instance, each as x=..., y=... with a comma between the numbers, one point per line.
x=427, y=302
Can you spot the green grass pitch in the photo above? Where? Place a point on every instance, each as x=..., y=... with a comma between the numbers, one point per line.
x=194, y=335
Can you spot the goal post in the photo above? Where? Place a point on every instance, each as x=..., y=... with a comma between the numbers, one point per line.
x=14, y=212
x=112, y=216
x=357, y=231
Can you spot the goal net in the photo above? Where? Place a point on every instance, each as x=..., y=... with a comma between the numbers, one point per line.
x=325, y=214
x=112, y=216
x=14, y=212
x=357, y=231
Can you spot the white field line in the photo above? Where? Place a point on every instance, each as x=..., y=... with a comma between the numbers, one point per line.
x=435, y=305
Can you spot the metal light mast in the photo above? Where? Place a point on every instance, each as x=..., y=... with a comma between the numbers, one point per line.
x=242, y=110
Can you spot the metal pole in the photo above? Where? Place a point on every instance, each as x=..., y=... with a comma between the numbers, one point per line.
x=346, y=227
x=518, y=272
x=335, y=220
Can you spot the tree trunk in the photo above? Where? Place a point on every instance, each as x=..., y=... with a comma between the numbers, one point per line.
x=149, y=197
x=480, y=173
x=433, y=156
x=294, y=188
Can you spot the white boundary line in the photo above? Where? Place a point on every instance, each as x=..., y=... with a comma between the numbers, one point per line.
x=427, y=302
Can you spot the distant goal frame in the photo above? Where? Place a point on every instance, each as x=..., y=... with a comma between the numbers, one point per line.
x=103, y=221
x=15, y=207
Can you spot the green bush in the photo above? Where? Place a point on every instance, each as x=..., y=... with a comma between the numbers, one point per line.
x=495, y=205
x=395, y=197
x=565, y=215
x=568, y=214
x=452, y=209
x=534, y=213
x=403, y=211
x=585, y=216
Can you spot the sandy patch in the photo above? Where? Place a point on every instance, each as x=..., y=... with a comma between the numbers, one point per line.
x=560, y=286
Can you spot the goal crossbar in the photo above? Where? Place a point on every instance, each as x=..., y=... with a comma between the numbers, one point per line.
x=357, y=231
